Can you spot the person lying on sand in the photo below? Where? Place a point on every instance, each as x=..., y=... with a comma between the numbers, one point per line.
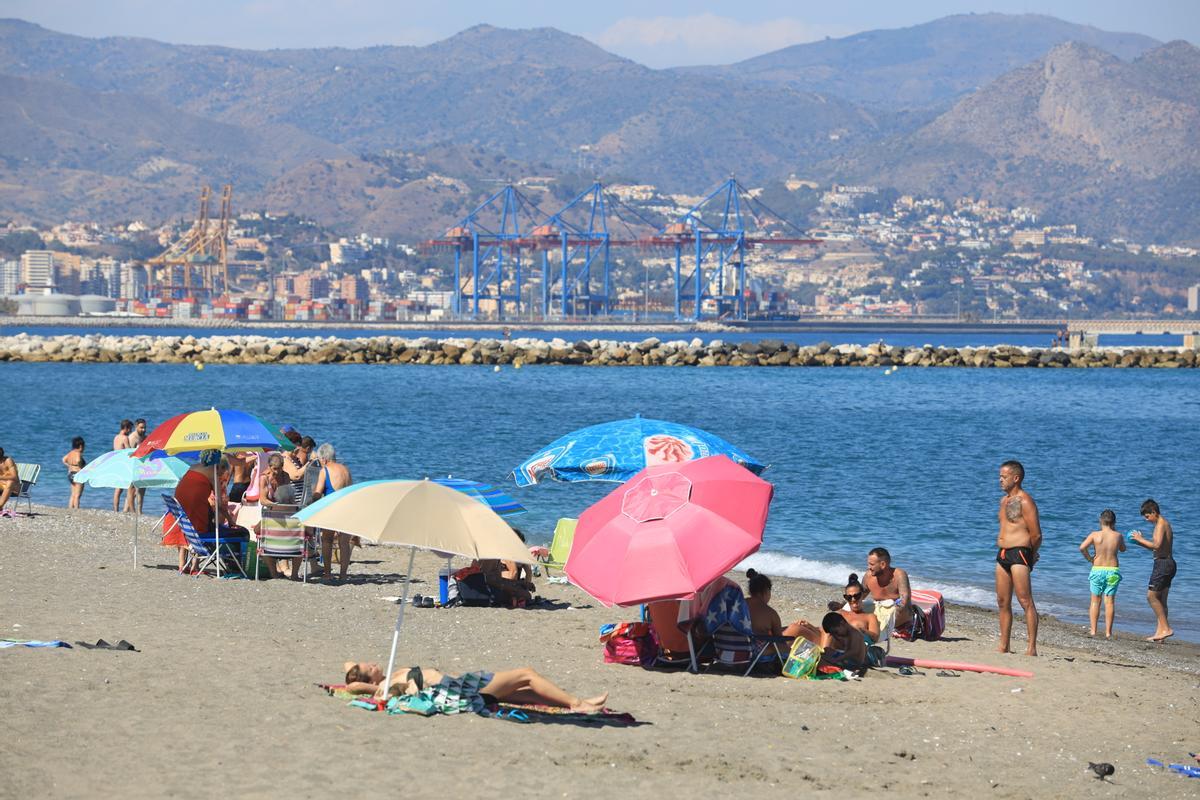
x=844, y=646
x=467, y=692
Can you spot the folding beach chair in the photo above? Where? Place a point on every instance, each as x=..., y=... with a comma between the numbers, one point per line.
x=560, y=548
x=27, y=476
x=733, y=641
x=203, y=552
x=281, y=536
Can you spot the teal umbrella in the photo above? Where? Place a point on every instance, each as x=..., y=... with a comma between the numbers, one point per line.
x=117, y=469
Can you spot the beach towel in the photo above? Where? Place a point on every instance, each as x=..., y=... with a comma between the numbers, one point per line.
x=32, y=643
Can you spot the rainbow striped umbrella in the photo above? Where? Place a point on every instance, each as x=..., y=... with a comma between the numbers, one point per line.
x=215, y=429
x=218, y=429
x=498, y=501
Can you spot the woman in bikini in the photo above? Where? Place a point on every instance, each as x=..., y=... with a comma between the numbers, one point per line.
x=864, y=621
x=469, y=692
x=765, y=620
x=74, y=461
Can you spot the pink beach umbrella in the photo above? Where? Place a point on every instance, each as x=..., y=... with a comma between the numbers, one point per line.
x=668, y=532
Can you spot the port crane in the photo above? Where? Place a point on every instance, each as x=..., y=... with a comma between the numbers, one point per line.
x=203, y=249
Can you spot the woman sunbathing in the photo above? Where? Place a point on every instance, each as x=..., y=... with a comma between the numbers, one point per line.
x=864, y=621
x=468, y=692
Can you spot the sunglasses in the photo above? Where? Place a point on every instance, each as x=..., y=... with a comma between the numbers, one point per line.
x=850, y=598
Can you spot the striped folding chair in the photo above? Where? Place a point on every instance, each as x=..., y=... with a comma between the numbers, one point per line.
x=281, y=536
x=203, y=552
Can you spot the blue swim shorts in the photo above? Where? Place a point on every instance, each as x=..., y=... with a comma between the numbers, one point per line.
x=1105, y=580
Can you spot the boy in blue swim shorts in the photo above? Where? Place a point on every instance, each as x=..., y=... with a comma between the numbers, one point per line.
x=1101, y=548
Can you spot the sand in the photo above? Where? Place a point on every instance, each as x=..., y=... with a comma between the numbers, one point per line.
x=221, y=697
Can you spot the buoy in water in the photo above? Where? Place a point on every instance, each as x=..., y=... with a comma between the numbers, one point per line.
x=199, y=365
x=496, y=368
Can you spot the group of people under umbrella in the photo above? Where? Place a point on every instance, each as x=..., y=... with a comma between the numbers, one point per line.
x=689, y=507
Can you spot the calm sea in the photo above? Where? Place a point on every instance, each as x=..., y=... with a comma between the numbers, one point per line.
x=859, y=458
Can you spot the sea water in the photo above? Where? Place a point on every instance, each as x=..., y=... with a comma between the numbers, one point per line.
x=859, y=458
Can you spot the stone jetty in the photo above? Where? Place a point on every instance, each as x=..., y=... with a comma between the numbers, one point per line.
x=247, y=349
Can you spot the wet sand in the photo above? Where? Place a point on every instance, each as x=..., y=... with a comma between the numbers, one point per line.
x=221, y=698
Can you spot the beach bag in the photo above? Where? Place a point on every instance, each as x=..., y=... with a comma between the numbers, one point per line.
x=929, y=617
x=802, y=660
x=473, y=590
x=628, y=643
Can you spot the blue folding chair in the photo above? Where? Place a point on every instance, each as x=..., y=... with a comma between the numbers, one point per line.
x=203, y=551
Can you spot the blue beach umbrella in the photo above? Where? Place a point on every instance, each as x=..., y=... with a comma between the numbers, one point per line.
x=616, y=451
x=495, y=499
x=118, y=469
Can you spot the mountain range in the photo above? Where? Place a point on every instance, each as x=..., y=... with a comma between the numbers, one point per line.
x=1072, y=120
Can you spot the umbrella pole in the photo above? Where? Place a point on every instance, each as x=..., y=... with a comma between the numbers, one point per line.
x=217, y=514
x=387, y=681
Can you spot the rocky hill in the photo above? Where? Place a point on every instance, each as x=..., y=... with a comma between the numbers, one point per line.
x=402, y=140
x=1080, y=134
x=925, y=65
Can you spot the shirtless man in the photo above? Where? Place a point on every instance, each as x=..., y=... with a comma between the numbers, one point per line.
x=121, y=442
x=137, y=497
x=9, y=482
x=242, y=465
x=1018, y=542
x=1163, y=572
x=886, y=582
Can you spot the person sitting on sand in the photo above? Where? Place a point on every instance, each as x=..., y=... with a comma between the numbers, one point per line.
x=468, y=692
x=10, y=481
x=1105, y=576
x=508, y=591
x=74, y=462
x=886, y=582
x=842, y=644
x=521, y=573
x=865, y=621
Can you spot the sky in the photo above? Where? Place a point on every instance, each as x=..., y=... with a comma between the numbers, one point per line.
x=666, y=33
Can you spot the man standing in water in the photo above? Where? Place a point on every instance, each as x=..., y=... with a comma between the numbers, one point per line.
x=1164, y=567
x=1018, y=543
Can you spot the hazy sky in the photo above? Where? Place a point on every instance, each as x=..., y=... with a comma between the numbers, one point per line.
x=664, y=33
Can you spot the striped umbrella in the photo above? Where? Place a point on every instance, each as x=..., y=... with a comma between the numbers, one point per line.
x=219, y=429
x=215, y=429
x=495, y=499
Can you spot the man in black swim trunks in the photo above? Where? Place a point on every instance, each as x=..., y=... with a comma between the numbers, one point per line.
x=1163, y=572
x=1018, y=543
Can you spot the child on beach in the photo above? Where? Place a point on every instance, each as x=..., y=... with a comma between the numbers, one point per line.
x=1101, y=548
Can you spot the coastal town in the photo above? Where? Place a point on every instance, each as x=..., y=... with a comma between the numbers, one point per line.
x=874, y=253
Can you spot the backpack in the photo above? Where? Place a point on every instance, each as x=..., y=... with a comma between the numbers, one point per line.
x=628, y=643
x=473, y=590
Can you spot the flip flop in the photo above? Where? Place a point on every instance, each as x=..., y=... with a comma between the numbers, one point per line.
x=103, y=645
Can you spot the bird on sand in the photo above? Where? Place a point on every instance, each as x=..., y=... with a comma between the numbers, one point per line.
x=1102, y=770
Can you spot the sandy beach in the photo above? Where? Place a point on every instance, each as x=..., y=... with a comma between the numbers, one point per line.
x=221, y=696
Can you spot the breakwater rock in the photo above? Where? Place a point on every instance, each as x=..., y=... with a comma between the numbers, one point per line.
x=111, y=349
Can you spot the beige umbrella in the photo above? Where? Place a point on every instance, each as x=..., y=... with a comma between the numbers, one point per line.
x=416, y=514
